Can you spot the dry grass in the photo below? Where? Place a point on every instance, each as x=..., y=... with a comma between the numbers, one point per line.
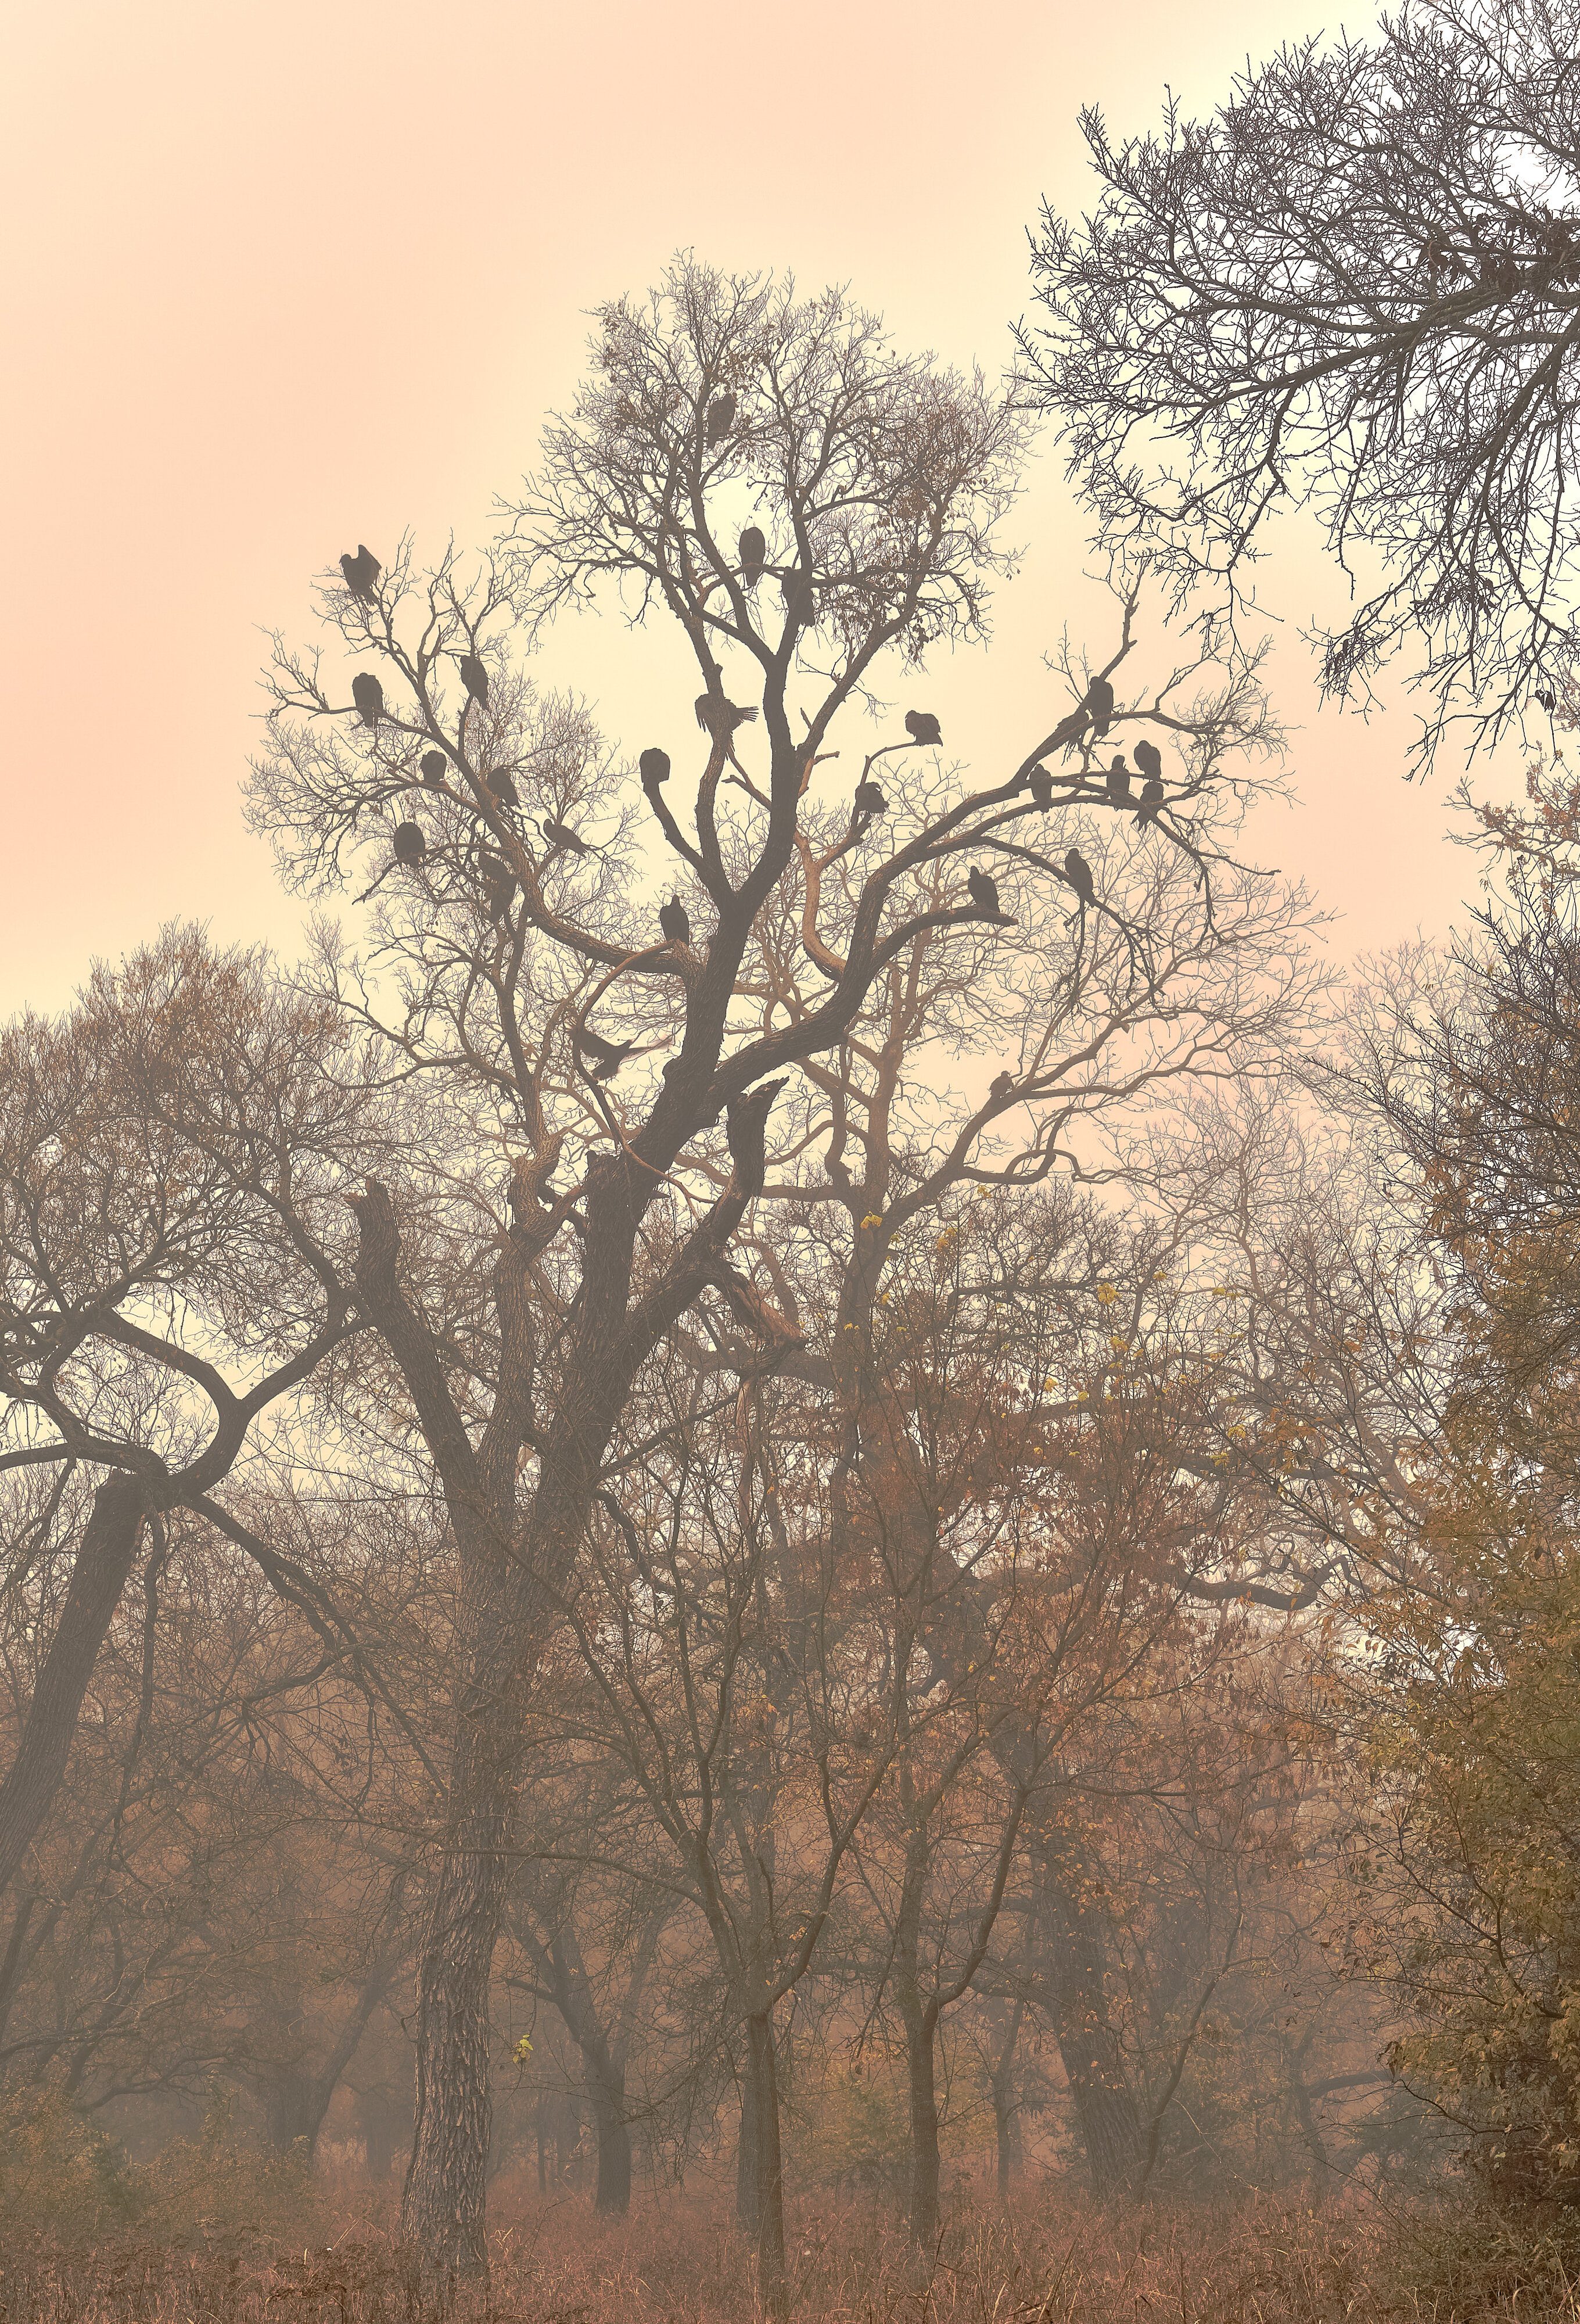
x=1052, y=2260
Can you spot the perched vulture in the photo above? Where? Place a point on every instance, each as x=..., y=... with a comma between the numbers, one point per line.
x=869, y=800
x=1079, y=872
x=654, y=768
x=1070, y=730
x=1001, y=1085
x=604, y=1058
x=1099, y=707
x=800, y=605
x=432, y=764
x=369, y=698
x=1152, y=798
x=923, y=728
x=1150, y=759
x=1040, y=783
x=720, y=419
x=361, y=572
x=410, y=846
x=503, y=788
x=475, y=679
x=715, y=716
x=675, y=922
x=1117, y=782
x=560, y=834
x=984, y=893
x=754, y=550
x=498, y=883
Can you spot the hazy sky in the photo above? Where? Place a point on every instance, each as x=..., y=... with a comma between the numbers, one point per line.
x=281, y=278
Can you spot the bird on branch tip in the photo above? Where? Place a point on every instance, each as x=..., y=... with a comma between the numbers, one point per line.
x=475, y=679
x=361, y=572
x=654, y=768
x=716, y=716
x=985, y=893
x=720, y=419
x=753, y=553
x=604, y=1058
x=432, y=764
x=411, y=844
x=1079, y=872
x=1099, y=707
x=1117, y=782
x=369, y=698
x=869, y=801
x=924, y=728
x=560, y=834
x=675, y=922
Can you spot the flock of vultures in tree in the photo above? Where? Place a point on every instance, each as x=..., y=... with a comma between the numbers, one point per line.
x=814, y=1475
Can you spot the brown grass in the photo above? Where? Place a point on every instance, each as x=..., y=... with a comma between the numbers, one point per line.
x=1052, y=2260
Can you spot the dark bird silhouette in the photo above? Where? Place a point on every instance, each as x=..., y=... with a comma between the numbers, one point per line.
x=498, y=884
x=1099, y=707
x=361, y=572
x=869, y=801
x=1070, y=729
x=604, y=1058
x=410, y=845
x=560, y=834
x=675, y=922
x=1079, y=872
x=1549, y=702
x=369, y=698
x=1117, y=782
x=1001, y=1085
x=984, y=893
x=745, y=1122
x=475, y=679
x=503, y=788
x=716, y=716
x=720, y=419
x=1149, y=759
x=1040, y=783
x=923, y=728
x=654, y=768
x=432, y=764
x=754, y=550
x=1151, y=799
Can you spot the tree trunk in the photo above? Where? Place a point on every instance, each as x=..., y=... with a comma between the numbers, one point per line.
x=1006, y=2130
x=773, y=2285
x=382, y=2126
x=922, y=2059
x=444, y=2206
x=104, y=1560
x=746, y=2169
x=1106, y=2119
x=613, y=2197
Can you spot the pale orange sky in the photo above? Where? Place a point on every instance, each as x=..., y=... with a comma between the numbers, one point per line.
x=278, y=279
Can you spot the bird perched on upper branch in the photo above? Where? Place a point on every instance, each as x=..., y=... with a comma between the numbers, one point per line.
x=1117, y=783
x=653, y=766
x=720, y=419
x=675, y=922
x=361, y=572
x=410, y=843
x=869, y=801
x=1079, y=872
x=1040, y=783
x=432, y=764
x=369, y=698
x=475, y=679
x=1069, y=729
x=985, y=893
x=560, y=834
x=716, y=716
x=754, y=551
x=924, y=728
x=1149, y=759
x=604, y=1058
x=1099, y=707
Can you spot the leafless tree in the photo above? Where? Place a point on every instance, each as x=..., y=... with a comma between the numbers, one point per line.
x=1357, y=285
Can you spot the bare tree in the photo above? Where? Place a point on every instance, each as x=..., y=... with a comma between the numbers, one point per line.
x=1357, y=285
